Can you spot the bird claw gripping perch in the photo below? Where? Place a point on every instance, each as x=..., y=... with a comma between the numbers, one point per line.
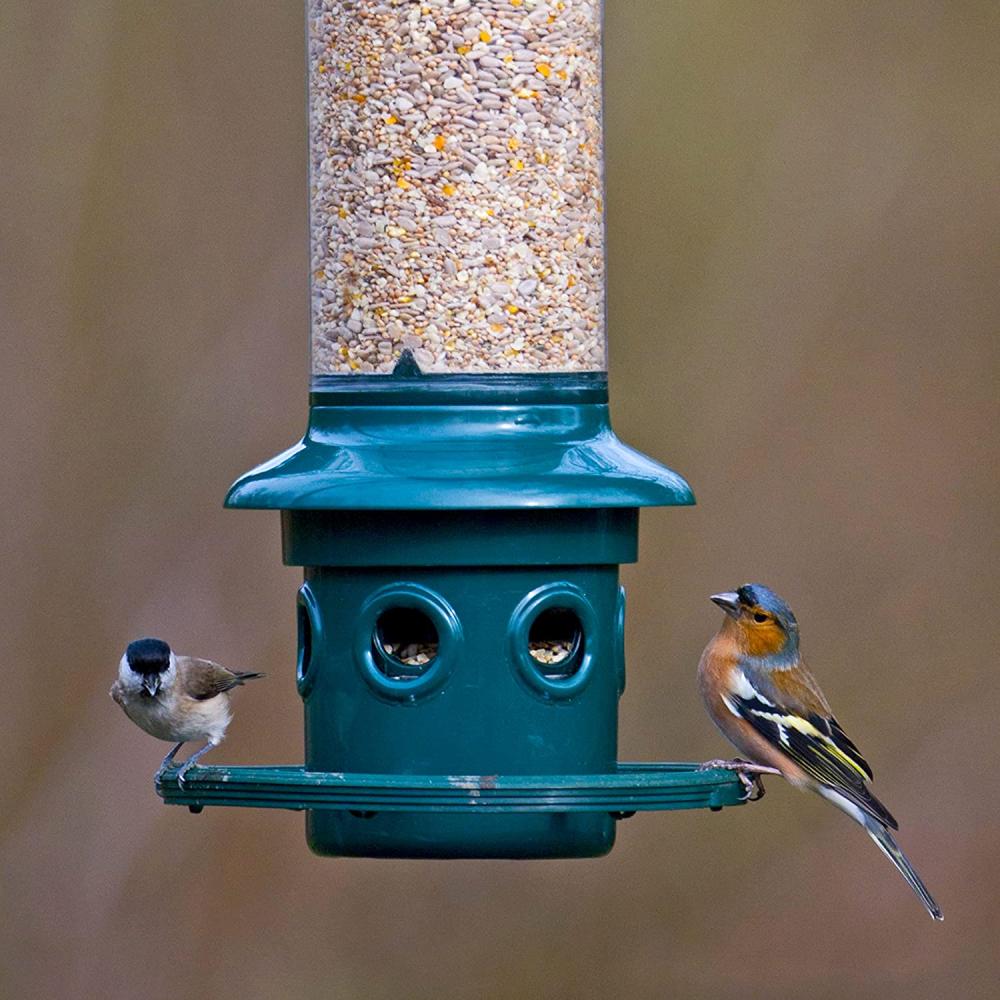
x=750, y=775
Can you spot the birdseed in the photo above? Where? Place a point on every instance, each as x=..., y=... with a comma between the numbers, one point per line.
x=413, y=654
x=456, y=185
x=550, y=650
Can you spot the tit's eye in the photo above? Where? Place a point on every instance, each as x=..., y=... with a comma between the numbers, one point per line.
x=760, y=617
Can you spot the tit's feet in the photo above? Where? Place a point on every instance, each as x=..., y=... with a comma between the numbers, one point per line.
x=191, y=761
x=167, y=761
x=184, y=768
x=750, y=775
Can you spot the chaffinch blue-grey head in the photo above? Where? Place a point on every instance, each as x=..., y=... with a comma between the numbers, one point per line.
x=770, y=707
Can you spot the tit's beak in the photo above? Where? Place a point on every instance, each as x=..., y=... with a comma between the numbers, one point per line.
x=728, y=601
x=151, y=682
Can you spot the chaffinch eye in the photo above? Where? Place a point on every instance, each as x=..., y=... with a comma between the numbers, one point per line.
x=760, y=617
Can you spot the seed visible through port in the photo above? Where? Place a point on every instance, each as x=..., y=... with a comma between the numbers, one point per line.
x=413, y=654
x=550, y=650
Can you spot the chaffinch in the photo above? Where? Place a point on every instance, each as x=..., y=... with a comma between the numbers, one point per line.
x=770, y=708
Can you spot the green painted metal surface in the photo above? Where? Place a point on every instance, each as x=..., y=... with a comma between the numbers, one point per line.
x=408, y=386
x=444, y=457
x=630, y=788
x=542, y=537
x=473, y=519
x=484, y=706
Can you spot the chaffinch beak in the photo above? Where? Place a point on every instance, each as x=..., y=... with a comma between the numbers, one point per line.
x=728, y=601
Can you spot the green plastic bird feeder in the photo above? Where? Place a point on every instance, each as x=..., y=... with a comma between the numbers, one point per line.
x=459, y=502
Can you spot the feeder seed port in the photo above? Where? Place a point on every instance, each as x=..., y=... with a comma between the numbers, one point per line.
x=555, y=641
x=405, y=636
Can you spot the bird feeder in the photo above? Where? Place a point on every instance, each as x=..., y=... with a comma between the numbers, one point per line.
x=459, y=502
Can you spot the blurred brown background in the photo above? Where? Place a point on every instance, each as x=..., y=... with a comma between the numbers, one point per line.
x=804, y=305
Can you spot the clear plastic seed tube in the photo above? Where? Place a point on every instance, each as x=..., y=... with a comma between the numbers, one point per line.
x=456, y=185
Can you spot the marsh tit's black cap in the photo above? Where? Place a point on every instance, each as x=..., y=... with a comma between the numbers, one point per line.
x=148, y=656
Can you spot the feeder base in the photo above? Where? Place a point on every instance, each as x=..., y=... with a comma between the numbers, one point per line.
x=416, y=835
x=449, y=816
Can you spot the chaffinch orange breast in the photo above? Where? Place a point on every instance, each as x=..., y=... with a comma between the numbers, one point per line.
x=766, y=703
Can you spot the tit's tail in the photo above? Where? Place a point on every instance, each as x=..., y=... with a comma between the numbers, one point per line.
x=246, y=675
x=888, y=846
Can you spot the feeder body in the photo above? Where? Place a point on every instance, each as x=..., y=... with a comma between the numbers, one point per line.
x=456, y=184
x=482, y=706
x=461, y=614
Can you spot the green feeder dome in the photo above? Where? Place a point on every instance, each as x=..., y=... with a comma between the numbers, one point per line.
x=459, y=502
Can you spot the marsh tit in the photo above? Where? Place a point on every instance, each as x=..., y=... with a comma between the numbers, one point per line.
x=175, y=698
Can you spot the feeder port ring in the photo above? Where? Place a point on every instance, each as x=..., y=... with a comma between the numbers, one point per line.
x=559, y=596
x=369, y=651
x=310, y=629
